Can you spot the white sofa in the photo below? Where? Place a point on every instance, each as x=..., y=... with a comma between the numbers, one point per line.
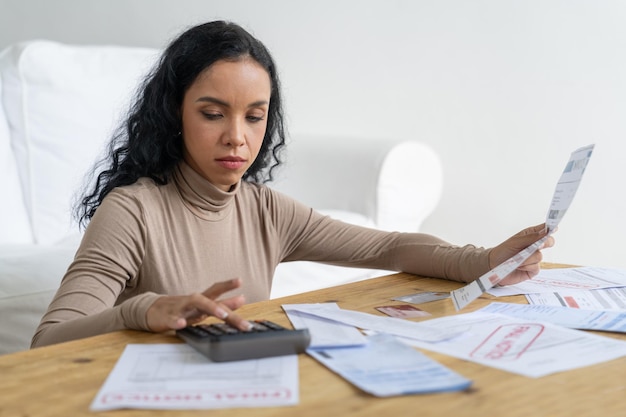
x=59, y=104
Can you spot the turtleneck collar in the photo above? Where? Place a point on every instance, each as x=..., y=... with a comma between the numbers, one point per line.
x=204, y=199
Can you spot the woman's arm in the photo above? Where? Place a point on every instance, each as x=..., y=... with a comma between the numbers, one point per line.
x=107, y=259
x=323, y=239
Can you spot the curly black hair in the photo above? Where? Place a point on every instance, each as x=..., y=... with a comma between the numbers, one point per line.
x=149, y=144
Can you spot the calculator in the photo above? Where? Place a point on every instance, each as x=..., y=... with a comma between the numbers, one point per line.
x=221, y=342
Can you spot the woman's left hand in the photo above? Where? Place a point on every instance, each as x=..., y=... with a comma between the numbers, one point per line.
x=513, y=245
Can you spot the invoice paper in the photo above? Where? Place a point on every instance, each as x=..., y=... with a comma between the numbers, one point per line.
x=175, y=376
x=608, y=321
x=324, y=332
x=606, y=299
x=525, y=347
x=385, y=367
x=389, y=325
x=561, y=200
x=580, y=278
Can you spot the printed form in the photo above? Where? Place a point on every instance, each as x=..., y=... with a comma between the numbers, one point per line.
x=561, y=200
x=379, y=365
x=559, y=279
x=324, y=332
x=607, y=321
x=176, y=377
x=386, y=367
x=602, y=299
x=526, y=347
x=389, y=325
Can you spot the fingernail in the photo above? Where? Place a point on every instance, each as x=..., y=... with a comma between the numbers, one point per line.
x=249, y=326
x=220, y=313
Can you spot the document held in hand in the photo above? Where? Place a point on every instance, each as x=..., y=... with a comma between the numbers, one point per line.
x=561, y=200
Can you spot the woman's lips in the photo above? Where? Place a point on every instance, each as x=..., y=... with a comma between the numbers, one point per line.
x=231, y=162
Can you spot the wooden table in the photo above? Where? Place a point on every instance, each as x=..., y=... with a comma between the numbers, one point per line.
x=63, y=379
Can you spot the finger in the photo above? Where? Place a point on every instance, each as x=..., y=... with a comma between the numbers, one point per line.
x=516, y=278
x=528, y=237
x=239, y=322
x=534, y=259
x=200, y=304
x=233, y=303
x=548, y=243
x=533, y=230
x=222, y=310
x=217, y=289
x=531, y=270
x=166, y=313
x=233, y=318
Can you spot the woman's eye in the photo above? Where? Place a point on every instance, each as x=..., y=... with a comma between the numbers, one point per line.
x=212, y=116
x=254, y=119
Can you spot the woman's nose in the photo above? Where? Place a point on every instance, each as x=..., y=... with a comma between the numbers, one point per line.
x=235, y=135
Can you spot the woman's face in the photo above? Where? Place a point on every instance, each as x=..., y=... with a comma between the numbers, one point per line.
x=224, y=117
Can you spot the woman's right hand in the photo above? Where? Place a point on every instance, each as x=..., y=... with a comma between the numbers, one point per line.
x=172, y=312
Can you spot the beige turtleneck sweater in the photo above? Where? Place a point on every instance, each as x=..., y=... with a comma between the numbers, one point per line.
x=147, y=240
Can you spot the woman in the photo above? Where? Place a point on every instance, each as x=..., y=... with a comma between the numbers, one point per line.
x=181, y=205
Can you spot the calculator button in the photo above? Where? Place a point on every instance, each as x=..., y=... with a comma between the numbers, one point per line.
x=221, y=342
x=211, y=329
x=271, y=325
x=196, y=331
x=260, y=327
x=227, y=329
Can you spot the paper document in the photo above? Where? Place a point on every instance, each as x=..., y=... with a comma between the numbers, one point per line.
x=550, y=280
x=422, y=297
x=385, y=367
x=465, y=295
x=603, y=299
x=176, y=377
x=608, y=321
x=390, y=325
x=563, y=195
x=568, y=185
x=324, y=333
x=524, y=347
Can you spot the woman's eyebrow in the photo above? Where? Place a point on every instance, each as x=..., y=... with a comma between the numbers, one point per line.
x=209, y=99
x=214, y=100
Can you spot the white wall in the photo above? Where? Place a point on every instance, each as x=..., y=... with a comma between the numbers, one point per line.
x=502, y=89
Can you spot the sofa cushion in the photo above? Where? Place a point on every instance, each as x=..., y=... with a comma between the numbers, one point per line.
x=62, y=104
x=395, y=182
x=29, y=277
x=14, y=227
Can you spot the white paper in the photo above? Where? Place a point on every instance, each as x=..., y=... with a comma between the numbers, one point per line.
x=550, y=280
x=390, y=325
x=324, y=333
x=385, y=367
x=422, y=297
x=524, y=347
x=568, y=185
x=176, y=377
x=603, y=299
x=609, y=321
x=465, y=295
x=561, y=199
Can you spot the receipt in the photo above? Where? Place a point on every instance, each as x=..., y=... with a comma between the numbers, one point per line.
x=386, y=367
x=568, y=185
x=324, y=333
x=389, y=325
x=574, y=318
x=561, y=200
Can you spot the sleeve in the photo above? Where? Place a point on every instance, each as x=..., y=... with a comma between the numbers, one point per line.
x=312, y=236
x=106, y=262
